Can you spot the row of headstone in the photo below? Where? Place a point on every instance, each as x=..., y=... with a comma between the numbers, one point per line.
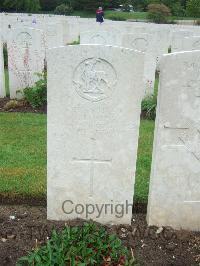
x=93, y=129
x=154, y=44
x=151, y=39
x=58, y=30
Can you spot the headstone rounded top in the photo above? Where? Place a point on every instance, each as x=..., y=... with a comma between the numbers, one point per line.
x=140, y=44
x=24, y=39
x=98, y=39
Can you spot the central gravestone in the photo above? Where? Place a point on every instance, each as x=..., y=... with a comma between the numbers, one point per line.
x=93, y=125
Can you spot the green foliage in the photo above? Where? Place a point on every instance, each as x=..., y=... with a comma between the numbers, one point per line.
x=36, y=96
x=63, y=9
x=143, y=167
x=177, y=9
x=49, y=5
x=114, y=3
x=116, y=16
x=193, y=8
x=75, y=42
x=140, y=5
x=22, y=5
x=5, y=55
x=126, y=5
x=149, y=105
x=158, y=13
x=90, y=5
x=125, y=15
x=86, y=245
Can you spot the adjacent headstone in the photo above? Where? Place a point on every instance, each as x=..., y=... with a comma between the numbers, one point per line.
x=191, y=43
x=25, y=58
x=146, y=44
x=101, y=37
x=174, y=198
x=2, y=77
x=93, y=126
x=178, y=40
x=53, y=35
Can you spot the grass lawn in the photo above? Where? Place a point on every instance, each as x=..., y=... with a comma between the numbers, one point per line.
x=126, y=15
x=23, y=156
x=144, y=160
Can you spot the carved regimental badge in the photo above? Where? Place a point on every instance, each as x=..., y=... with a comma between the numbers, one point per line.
x=95, y=79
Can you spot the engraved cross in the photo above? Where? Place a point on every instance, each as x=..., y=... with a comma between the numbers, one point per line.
x=188, y=148
x=92, y=161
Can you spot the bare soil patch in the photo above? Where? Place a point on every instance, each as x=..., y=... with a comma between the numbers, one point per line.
x=23, y=227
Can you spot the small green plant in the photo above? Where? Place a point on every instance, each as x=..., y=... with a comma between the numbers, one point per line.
x=158, y=13
x=149, y=105
x=75, y=42
x=36, y=96
x=64, y=9
x=5, y=55
x=81, y=246
x=169, y=49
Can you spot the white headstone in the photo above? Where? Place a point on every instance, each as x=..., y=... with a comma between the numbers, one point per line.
x=101, y=37
x=54, y=35
x=144, y=43
x=2, y=77
x=178, y=39
x=174, y=198
x=93, y=126
x=25, y=58
x=191, y=43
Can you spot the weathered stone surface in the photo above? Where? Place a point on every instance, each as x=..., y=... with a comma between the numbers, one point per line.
x=26, y=55
x=191, y=43
x=93, y=124
x=174, y=198
x=178, y=39
x=144, y=43
x=101, y=37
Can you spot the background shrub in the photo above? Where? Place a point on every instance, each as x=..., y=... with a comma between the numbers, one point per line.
x=36, y=96
x=193, y=8
x=64, y=9
x=116, y=16
x=158, y=13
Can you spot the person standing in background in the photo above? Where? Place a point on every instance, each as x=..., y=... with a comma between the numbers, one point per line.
x=100, y=15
